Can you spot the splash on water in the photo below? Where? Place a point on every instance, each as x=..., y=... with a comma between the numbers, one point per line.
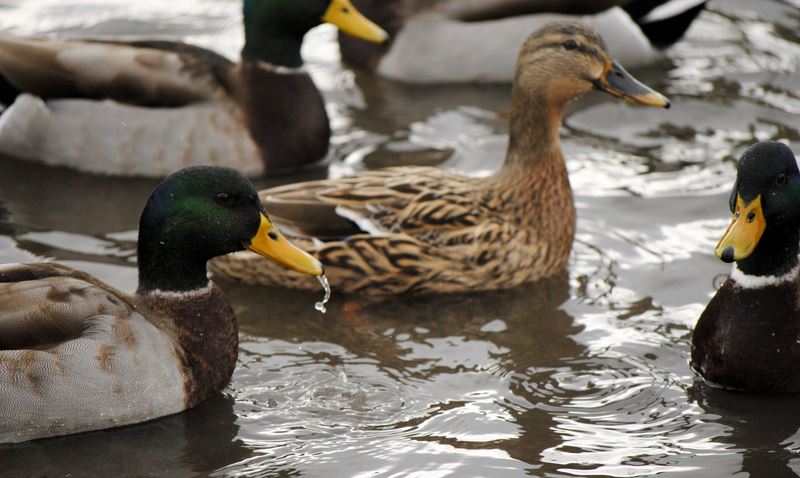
x=320, y=306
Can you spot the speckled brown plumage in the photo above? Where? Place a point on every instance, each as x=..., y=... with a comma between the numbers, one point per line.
x=422, y=230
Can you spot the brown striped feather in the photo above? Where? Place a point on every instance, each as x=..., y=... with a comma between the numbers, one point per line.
x=424, y=230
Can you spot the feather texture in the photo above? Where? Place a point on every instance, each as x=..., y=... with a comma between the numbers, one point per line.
x=423, y=230
x=415, y=230
x=64, y=336
x=149, y=108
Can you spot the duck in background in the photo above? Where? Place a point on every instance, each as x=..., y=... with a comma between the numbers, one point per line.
x=149, y=108
x=78, y=355
x=424, y=230
x=454, y=41
x=748, y=337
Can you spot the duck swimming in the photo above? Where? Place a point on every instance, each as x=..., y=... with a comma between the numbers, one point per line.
x=421, y=229
x=748, y=337
x=78, y=355
x=149, y=108
x=454, y=41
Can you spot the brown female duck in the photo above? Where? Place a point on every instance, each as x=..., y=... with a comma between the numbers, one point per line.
x=416, y=229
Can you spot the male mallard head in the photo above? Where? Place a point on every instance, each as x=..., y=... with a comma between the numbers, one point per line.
x=571, y=59
x=765, y=203
x=203, y=212
x=274, y=29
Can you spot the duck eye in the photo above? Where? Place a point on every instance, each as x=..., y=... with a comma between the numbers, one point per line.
x=225, y=199
x=781, y=180
x=570, y=44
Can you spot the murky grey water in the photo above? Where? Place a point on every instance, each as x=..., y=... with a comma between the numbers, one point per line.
x=584, y=375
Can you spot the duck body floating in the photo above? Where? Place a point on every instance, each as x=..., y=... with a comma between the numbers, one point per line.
x=149, y=108
x=78, y=355
x=454, y=41
x=425, y=230
x=748, y=337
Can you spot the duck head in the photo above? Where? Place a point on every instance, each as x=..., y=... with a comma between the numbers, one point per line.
x=763, y=235
x=202, y=212
x=274, y=29
x=569, y=59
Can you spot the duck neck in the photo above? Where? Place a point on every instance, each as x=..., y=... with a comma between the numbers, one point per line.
x=168, y=264
x=533, y=182
x=290, y=130
x=533, y=130
x=777, y=251
x=277, y=50
x=533, y=159
x=270, y=36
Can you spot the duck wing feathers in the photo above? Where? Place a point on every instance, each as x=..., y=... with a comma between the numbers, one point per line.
x=76, y=356
x=408, y=200
x=147, y=73
x=398, y=230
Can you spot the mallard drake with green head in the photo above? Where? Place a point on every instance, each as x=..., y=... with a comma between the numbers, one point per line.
x=446, y=41
x=417, y=229
x=149, y=108
x=78, y=355
x=748, y=337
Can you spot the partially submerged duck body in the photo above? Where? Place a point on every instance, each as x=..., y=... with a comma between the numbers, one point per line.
x=78, y=355
x=454, y=41
x=149, y=108
x=424, y=230
x=748, y=337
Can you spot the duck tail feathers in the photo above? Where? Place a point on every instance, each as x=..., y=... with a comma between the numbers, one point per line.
x=664, y=21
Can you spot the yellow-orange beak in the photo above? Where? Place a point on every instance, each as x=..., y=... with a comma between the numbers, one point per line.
x=742, y=236
x=617, y=82
x=344, y=15
x=269, y=242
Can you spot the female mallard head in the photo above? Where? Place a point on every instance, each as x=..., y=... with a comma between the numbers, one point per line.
x=203, y=212
x=765, y=202
x=274, y=29
x=569, y=59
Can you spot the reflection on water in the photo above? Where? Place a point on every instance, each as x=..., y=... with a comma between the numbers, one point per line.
x=582, y=375
x=199, y=440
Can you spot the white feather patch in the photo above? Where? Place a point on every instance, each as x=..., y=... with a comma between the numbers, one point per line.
x=363, y=222
x=107, y=137
x=433, y=48
x=183, y=295
x=671, y=9
x=759, y=282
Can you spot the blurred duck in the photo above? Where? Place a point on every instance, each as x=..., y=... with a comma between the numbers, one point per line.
x=445, y=41
x=417, y=229
x=748, y=337
x=149, y=108
x=78, y=355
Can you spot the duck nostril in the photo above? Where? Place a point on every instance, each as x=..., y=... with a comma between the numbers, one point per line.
x=727, y=254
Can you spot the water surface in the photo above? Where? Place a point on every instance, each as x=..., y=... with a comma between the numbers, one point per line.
x=582, y=375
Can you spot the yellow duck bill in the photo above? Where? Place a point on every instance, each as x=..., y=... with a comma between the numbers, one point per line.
x=616, y=81
x=269, y=242
x=742, y=236
x=344, y=15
